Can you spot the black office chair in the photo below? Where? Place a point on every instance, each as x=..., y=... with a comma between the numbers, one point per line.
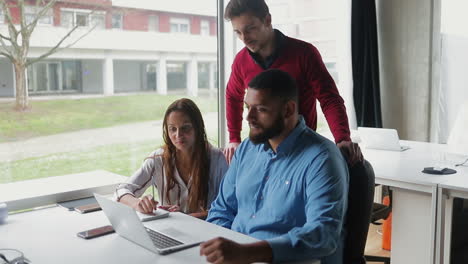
x=358, y=215
x=380, y=212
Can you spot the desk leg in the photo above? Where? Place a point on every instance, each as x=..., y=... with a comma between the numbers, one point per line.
x=441, y=231
x=412, y=227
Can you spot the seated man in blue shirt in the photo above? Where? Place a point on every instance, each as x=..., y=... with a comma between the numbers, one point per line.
x=287, y=185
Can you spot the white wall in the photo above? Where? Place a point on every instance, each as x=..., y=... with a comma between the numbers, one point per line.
x=92, y=71
x=127, y=76
x=7, y=83
x=405, y=36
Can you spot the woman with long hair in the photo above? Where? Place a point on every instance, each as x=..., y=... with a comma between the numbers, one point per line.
x=186, y=170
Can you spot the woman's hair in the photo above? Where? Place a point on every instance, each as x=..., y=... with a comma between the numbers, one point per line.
x=200, y=163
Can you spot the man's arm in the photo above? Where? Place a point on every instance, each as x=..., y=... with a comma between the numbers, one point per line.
x=235, y=92
x=327, y=94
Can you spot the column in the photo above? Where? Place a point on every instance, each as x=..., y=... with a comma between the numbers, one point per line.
x=192, y=77
x=212, y=76
x=108, y=76
x=162, y=75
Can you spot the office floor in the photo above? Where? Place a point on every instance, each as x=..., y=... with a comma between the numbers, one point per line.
x=374, y=242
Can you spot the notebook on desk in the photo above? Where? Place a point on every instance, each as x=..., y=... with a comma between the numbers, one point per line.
x=380, y=138
x=162, y=240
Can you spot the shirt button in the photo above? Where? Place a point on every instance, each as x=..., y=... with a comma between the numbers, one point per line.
x=253, y=216
x=261, y=197
x=287, y=182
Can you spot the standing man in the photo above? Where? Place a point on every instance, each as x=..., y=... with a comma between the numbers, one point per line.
x=287, y=185
x=268, y=48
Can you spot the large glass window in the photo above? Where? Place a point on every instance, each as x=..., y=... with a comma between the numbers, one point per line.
x=321, y=23
x=99, y=104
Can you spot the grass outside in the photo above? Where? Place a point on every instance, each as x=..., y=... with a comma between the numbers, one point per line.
x=66, y=115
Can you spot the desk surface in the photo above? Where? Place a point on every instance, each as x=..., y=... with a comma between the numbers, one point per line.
x=49, y=236
x=44, y=191
x=406, y=167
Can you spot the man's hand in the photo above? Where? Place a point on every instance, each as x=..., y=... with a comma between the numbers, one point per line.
x=222, y=250
x=351, y=152
x=229, y=151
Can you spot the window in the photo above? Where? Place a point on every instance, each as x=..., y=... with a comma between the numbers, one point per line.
x=153, y=23
x=180, y=25
x=205, y=28
x=98, y=21
x=108, y=79
x=81, y=18
x=66, y=18
x=31, y=13
x=117, y=21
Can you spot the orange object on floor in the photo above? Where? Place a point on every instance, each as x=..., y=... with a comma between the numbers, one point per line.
x=387, y=228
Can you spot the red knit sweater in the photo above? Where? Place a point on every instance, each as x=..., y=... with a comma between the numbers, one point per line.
x=304, y=63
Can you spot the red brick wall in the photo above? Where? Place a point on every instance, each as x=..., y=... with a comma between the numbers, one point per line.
x=212, y=27
x=56, y=14
x=135, y=20
x=195, y=25
x=164, y=22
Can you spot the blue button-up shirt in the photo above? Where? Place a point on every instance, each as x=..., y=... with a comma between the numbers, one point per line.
x=295, y=199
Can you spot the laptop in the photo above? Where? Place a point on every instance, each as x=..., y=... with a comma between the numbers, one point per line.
x=127, y=224
x=380, y=138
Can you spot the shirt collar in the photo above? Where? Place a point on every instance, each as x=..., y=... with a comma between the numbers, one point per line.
x=280, y=39
x=290, y=141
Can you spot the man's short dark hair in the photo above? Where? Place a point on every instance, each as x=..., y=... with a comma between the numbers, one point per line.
x=236, y=8
x=280, y=84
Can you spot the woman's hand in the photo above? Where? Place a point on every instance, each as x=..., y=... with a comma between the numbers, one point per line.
x=170, y=208
x=145, y=205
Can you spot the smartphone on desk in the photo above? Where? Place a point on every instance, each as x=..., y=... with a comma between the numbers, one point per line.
x=96, y=232
x=88, y=208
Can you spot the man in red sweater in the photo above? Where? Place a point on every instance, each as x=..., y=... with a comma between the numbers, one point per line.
x=267, y=48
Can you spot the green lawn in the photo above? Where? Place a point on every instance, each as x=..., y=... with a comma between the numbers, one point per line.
x=58, y=116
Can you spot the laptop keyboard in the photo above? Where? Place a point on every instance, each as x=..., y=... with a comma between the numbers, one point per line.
x=162, y=241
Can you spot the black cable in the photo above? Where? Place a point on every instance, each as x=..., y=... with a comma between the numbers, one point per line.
x=461, y=164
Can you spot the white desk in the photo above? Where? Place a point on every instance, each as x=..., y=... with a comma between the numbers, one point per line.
x=415, y=199
x=45, y=191
x=48, y=236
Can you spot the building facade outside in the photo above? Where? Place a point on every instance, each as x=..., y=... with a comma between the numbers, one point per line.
x=134, y=46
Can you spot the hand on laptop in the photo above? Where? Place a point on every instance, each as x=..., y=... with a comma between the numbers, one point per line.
x=170, y=208
x=146, y=204
x=351, y=152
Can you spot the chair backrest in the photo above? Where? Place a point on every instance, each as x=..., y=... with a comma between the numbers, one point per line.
x=358, y=215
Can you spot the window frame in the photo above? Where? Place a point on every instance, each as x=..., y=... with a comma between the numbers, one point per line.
x=179, y=22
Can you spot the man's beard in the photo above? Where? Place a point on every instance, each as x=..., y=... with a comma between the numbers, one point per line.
x=268, y=133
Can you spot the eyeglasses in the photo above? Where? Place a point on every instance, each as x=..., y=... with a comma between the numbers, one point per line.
x=12, y=256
